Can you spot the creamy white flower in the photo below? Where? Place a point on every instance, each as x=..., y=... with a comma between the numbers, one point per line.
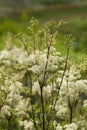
x=15, y=98
x=61, y=108
x=32, y=58
x=36, y=87
x=21, y=123
x=71, y=126
x=4, y=54
x=52, y=49
x=21, y=107
x=54, y=124
x=28, y=125
x=47, y=91
x=35, y=69
x=85, y=104
x=59, y=127
x=5, y=111
x=16, y=87
x=81, y=124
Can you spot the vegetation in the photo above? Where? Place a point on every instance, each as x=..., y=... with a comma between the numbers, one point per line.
x=39, y=88
x=18, y=20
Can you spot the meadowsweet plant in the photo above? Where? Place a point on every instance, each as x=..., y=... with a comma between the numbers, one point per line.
x=39, y=88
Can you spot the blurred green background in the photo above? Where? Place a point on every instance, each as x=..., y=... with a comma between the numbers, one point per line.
x=15, y=16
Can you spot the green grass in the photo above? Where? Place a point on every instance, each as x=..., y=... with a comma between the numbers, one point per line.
x=14, y=26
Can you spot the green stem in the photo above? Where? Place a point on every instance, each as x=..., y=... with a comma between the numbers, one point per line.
x=43, y=112
x=33, y=112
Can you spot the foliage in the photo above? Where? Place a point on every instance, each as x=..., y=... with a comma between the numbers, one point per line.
x=39, y=88
x=76, y=26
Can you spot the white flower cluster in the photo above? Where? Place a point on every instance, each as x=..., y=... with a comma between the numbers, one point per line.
x=69, y=94
x=71, y=126
x=28, y=125
x=61, y=109
x=13, y=55
x=46, y=71
x=36, y=60
x=14, y=103
x=72, y=85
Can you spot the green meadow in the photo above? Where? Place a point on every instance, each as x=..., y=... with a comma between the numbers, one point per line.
x=77, y=26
